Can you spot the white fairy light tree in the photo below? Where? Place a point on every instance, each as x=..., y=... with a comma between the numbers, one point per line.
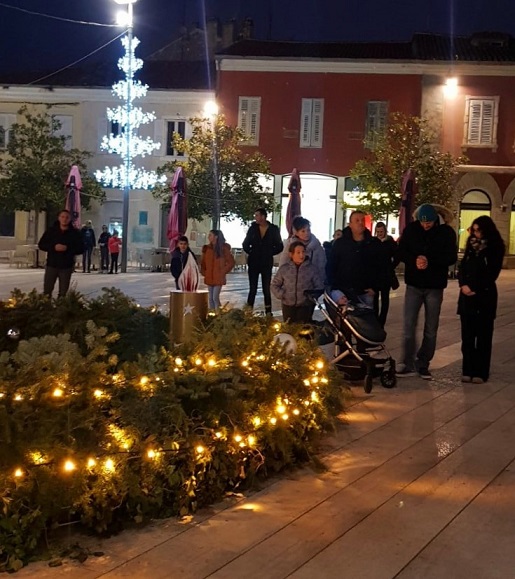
x=127, y=143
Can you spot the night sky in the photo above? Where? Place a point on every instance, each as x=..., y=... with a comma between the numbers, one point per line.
x=30, y=42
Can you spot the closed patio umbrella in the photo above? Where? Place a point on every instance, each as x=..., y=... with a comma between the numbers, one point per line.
x=407, y=199
x=293, y=208
x=178, y=216
x=74, y=187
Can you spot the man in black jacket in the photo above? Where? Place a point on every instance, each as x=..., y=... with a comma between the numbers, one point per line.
x=62, y=242
x=357, y=265
x=427, y=249
x=262, y=242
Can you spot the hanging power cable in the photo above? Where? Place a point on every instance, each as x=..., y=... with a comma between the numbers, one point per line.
x=77, y=61
x=84, y=22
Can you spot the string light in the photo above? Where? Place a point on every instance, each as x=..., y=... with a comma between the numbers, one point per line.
x=200, y=449
x=296, y=412
x=57, y=393
x=218, y=434
x=319, y=365
x=285, y=417
x=198, y=361
x=178, y=362
x=273, y=420
x=91, y=462
x=18, y=398
x=18, y=473
x=144, y=381
x=251, y=440
x=245, y=363
x=69, y=466
x=211, y=362
x=109, y=465
x=238, y=438
x=151, y=453
x=98, y=393
x=256, y=421
x=281, y=409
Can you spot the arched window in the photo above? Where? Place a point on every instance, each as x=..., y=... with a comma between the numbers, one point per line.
x=511, y=248
x=473, y=204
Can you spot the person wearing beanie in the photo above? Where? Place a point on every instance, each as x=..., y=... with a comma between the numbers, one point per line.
x=428, y=248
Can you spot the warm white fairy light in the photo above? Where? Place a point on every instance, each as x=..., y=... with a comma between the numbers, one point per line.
x=128, y=144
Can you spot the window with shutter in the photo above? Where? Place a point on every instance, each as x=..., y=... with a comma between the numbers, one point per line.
x=312, y=123
x=65, y=130
x=172, y=127
x=481, y=117
x=6, y=122
x=377, y=117
x=249, y=113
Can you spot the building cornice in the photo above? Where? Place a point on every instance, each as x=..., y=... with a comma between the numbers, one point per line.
x=346, y=66
x=502, y=169
x=56, y=95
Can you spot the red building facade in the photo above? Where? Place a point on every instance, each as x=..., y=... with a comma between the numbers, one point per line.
x=312, y=106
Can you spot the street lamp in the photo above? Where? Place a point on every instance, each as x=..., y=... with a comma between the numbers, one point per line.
x=127, y=143
x=210, y=112
x=127, y=20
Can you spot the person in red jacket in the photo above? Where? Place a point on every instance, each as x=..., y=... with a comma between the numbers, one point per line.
x=217, y=262
x=114, y=243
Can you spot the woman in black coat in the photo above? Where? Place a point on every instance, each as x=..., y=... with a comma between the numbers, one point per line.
x=477, y=303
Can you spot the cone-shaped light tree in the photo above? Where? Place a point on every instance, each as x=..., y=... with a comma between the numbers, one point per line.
x=127, y=143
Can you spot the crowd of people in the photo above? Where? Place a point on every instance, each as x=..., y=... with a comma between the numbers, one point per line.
x=355, y=267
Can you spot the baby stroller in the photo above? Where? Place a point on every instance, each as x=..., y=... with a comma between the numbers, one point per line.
x=359, y=350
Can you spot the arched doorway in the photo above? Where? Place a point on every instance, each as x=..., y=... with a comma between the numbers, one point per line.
x=473, y=204
x=318, y=203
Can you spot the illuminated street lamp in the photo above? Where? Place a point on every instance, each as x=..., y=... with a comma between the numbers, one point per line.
x=127, y=143
x=211, y=112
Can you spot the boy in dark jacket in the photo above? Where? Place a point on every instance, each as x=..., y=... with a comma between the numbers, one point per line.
x=62, y=242
x=292, y=280
x=103, y=242
x=89, y=242
x=427, y=249
x=262, y=242
x=180, y=256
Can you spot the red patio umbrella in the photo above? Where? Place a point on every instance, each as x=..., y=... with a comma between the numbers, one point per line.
x=178, y=216
x=293, y=208
x=74, y=187
x=408, y=190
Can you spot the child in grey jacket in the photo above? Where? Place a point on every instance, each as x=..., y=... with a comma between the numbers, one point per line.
x=292, y=280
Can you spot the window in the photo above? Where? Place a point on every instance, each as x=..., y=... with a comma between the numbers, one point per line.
x=114, y=128
x=377, y=117
x=7, y=221
x=249, y=112
x=312, y=123
x=6, y=122
x=143, y=218
x=66, y=129
x=481, y=115
x=172, y=127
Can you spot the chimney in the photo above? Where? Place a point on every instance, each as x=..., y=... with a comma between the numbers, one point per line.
x=247, y=29
x=228, y=33
x=212, y=34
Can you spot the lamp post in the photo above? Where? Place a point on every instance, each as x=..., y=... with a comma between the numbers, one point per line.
x=210, y=112
x=127, y=19
x=127, y=143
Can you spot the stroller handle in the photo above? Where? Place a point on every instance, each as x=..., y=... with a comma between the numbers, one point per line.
x=314, y=293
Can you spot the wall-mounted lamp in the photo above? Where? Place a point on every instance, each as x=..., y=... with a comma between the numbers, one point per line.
x=451, y=87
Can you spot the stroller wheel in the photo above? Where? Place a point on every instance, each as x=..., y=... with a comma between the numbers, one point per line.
x=368, y=383
x=388, y=378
